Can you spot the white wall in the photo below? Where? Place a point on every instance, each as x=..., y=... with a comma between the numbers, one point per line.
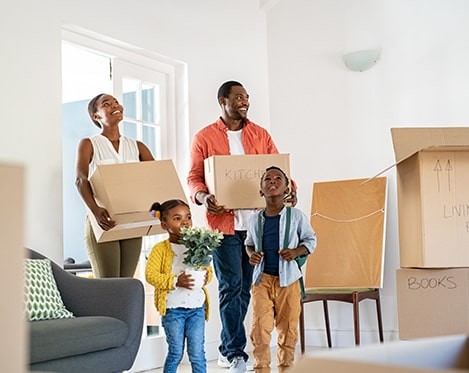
x=334, y=122
x=219, y=41
x=30, y=112
x=342, y=119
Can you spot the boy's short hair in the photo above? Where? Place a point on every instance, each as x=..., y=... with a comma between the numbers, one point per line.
x=278, y=169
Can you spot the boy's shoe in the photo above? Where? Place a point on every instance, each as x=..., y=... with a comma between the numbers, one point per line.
x=249, y=366
x=237, y=365
x=223, y=361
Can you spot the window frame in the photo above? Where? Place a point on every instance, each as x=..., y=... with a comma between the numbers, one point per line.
x=177, y=137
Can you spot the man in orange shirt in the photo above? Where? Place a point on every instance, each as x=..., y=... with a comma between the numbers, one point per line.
x=233, y=133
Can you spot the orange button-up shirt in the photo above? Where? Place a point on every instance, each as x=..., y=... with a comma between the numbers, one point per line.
x=213, y=140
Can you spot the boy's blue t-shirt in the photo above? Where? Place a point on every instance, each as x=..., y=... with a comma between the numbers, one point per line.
x=301, y=234
x=270, y=244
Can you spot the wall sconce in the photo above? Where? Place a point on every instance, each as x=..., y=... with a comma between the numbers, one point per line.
x=362, y=60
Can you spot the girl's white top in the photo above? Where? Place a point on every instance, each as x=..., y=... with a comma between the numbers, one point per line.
x=182, y=297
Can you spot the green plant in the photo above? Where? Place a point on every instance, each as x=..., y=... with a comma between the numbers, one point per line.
x=200, y=244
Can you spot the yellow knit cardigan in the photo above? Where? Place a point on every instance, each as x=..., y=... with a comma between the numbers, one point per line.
x=158, y=273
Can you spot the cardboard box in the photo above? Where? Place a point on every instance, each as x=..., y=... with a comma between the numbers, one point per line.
x=349, y=217
x=432, y=302
x=442, y=355
x=235, y=179
x=14, y=340
x=127, y=191
x=433, y=196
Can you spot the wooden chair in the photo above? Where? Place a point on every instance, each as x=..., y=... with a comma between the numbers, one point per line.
x=353, y=296
x=347, y=265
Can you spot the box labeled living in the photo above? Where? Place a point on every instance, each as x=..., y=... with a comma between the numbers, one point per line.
x=433, y=196
x=235, y=179
x=127, y=191
x=448, y=354
x=432, y=302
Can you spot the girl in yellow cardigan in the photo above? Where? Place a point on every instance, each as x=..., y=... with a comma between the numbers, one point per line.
x=183, y=307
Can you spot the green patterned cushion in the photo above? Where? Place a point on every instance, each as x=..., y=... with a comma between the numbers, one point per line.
x=42, y=297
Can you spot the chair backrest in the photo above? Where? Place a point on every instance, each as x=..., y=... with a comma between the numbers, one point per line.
x=59, y=273
x=30, y=253
x=349, y=219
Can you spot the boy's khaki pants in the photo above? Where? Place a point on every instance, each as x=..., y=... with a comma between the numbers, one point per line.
x=282, y=306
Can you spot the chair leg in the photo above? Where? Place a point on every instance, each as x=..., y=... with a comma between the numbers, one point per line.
x=302, y=329
x=356, y=318
x=380, y=321
x=326, y=320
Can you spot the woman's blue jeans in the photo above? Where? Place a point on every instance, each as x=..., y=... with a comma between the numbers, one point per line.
x=180, y=325
x=234, y=274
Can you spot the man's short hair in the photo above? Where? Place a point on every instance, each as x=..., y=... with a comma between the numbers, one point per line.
x=225, y=88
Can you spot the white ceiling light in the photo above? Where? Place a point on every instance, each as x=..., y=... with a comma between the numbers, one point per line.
x=362, y=60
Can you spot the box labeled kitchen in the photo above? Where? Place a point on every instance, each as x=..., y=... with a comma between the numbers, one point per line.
x=235, y=179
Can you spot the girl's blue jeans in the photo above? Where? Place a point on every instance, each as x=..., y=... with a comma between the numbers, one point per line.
x=185, y=325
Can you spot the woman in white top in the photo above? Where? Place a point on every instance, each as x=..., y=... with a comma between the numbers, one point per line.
x=116, y=258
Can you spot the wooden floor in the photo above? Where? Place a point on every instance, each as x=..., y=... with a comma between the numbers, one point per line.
x=212, y=366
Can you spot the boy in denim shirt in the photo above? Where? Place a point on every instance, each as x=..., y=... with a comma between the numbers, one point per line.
x=276, y=236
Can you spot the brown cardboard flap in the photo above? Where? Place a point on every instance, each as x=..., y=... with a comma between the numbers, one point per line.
x=442, y=354
x=407, y=141
x=312, y=364
x=349, y=219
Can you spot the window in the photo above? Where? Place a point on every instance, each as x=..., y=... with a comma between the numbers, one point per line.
x=87, y=73
x=144, y=100
x=148, y=85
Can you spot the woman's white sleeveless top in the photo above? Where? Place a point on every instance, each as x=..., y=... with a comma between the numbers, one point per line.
x=104, y=152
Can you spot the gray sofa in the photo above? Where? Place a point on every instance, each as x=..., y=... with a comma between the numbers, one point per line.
x=104, y=336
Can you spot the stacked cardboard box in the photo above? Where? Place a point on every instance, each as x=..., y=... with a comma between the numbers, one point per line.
x=433, y=208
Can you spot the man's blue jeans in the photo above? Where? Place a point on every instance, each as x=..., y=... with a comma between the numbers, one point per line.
x=180, y=325
x=234, y=274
